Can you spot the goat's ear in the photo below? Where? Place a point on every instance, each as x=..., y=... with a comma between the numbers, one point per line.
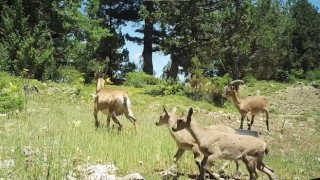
x=189, y=114
x=164, y=109
x=174, y=110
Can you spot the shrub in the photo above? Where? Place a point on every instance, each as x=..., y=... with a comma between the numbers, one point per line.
x=169, y=87
x=70, y=75
x=283, y=76
x=140, y=79
x=11, y=97
x=250, y=80
x=209, y=90
x=313, y=75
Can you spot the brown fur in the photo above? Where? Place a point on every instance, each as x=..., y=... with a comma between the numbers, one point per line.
x=215, y=145
x=184, y=139
x=112, y=103
x=249, y=106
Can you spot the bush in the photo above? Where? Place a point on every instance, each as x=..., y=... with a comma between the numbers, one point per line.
x=70, y=75
x=314, y=77
x=140, y=79
x=210, y=90
x=250, y=80
x=11, y=97
x=170, y=87
x=283, y=76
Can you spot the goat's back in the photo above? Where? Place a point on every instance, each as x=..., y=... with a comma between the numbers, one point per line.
x=223, y=128
x=255, y=103
x=108, y=100
x=231, y=143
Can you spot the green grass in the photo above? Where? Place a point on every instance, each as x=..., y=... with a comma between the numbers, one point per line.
x=46, y=125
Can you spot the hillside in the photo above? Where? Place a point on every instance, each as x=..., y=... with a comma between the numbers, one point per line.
x=54, y=134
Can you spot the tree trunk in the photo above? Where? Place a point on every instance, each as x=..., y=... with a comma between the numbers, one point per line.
x=173, y=72
x=235, y=69
x=147, y=40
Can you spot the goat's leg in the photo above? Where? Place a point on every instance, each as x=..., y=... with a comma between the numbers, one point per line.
x=251, y=167
x=250, y=122
x=108, y=122
x=265, y=169
x=207, y=167
x=196, y=155
x=95, y=114
x=267, y=119
x=242, y=118
x=178, y=154
x=133, y=120
x=116, y=120
x=176, y=157
x=202, y=170
x=238, y=169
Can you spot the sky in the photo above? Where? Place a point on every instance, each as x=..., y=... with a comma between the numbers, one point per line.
x=159, y=59
x=135, y=51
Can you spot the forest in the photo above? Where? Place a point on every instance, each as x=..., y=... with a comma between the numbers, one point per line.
x=52, y=52
x=265, y=39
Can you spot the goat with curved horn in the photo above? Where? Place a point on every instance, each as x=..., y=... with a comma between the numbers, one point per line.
x=249, y=106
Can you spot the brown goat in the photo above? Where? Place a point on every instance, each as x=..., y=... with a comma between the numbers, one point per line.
x=112, y=103
x=218, y=145
x=248, y=106
x=185, y=141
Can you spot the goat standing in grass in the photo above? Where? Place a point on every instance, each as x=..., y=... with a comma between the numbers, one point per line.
x=217, y=145
x=249, y=106
x=184, y=139
x=112, y=103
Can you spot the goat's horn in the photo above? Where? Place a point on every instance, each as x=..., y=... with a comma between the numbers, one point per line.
x=236, y=82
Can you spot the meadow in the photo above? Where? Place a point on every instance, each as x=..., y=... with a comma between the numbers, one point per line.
x=55, y=132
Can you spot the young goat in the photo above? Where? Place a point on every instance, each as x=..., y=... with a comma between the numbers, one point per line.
x=214, y=145
x=248, y=106
x=112, y=103
x=184, y=139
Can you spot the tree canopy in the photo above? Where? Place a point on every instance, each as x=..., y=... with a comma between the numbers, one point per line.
x=266, y=39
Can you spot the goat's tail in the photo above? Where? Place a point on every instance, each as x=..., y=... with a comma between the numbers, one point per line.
x=266, y=149
x=127, y=105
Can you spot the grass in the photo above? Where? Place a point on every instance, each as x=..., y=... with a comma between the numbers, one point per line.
x=46, y=125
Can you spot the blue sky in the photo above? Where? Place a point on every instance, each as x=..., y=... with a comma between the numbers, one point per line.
x=159, y=59
x=135, y=51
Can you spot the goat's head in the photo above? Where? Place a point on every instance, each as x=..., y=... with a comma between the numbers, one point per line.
x=166, y=116
x=183, y=123
x=232, y=87
x=100, y=84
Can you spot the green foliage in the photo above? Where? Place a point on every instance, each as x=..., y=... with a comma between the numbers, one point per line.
x=210, y=90
x=24, y=46
x=141, y=79
x=10, y=96
x=283, y=76
x=250, y=80
x=170, y=87
x=314, y=77
x=70, y=75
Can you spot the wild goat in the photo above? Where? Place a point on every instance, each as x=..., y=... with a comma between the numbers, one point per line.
x=184, y=139
x=214, y=145
x=248, y=106
x=112, y=103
